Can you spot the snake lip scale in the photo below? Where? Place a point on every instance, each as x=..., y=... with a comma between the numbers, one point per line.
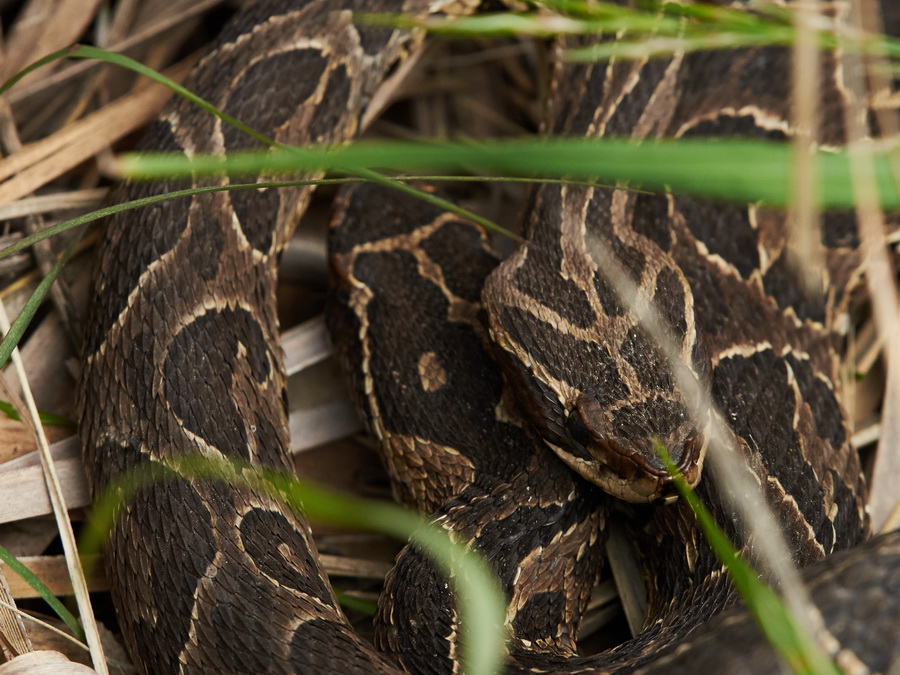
x=181, y=358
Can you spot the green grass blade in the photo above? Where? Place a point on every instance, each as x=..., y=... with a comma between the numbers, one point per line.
x=84, y=52
x=435, y=200
x=738, y=170
x=786, y=635
x=50, y=58
x=41, y=589
x=78, y=221
x=480, y=602
x=86, y=218
x=654, y=30
x=493, y=25
x=367, y=607
x=656, y=46
x=19, y=326
x=46, y=418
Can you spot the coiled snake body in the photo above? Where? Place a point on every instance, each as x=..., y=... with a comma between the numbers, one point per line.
x=182, y=358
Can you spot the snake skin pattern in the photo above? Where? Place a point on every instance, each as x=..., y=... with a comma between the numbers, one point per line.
x=182, y=359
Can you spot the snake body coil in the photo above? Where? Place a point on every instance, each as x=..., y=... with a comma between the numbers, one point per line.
x=182, y=359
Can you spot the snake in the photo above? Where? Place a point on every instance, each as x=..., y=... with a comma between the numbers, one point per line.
x=516, y=400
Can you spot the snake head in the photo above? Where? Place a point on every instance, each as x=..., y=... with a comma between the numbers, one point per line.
x=623, y=443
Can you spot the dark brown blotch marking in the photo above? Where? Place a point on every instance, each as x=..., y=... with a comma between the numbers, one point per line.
x=507, y=541
x=698, y=71
x=240, y=624
x=631, y=259
x=371, y=212
x=575, y=119
x=316, y=644
x=632, y=106
x=649, y=363
x=599, y=228
x=600, y=233
x=265, y=535
x=670, y=301
x=252, y=208
x=765, y=74
x=166, y=544
x=252, y=15
x=758, y=402
x=458, y=246
x=540, y=618
x=108, y=460
x=206, y=241
x=608, y=297
x=269, y=93
x=540, y=275
x=853, y=529
x=203, y=359
x=373, y=39
x=708, y=287
x=407, y=308
x=417, y=319
x=330, y=117
x=832, y=106
x=138, y=369
x=650, y=218
x=826, y=410
x=422, y=619
x=782, y=283
x=582, y=364
x=725, y=230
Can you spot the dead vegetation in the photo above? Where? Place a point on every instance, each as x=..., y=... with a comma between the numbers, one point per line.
x=58, y=130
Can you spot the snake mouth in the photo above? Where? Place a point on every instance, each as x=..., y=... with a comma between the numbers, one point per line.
x=628, y=465
x=636, y=473
x=628, y=475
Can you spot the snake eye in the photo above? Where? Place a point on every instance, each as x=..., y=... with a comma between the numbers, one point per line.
x=578, y=432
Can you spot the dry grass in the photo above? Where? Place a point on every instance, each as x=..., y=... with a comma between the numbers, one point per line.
x=57, y=132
